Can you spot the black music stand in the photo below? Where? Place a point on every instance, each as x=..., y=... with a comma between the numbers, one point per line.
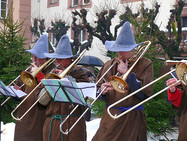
x=8, y=91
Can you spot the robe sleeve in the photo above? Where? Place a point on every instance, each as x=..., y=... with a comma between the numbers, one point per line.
x=175, y=98
x=40, y=76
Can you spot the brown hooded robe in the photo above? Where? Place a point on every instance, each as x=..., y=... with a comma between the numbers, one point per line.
x=57, y=111
x=132, y=126
x=30, y=127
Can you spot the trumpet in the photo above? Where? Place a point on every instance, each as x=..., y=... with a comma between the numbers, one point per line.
x=13, y=83
x=52, y=76
x=29, y=78
x=181, y=70
x=138, y=53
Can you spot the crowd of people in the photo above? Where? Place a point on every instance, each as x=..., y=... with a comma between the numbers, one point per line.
x=43, y=121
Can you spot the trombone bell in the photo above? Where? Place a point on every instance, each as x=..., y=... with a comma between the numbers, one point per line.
x=181, y=70
x=28, y=79
x=119, y=84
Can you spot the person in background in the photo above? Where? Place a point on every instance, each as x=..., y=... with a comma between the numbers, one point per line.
x=57, y=111
x=177, y=95
x=30, y=127
x=132, y=126
x=91, y=78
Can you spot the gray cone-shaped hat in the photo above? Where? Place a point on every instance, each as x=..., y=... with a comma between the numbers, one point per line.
x=124, y=42
x=63, y=49
x=40, y=47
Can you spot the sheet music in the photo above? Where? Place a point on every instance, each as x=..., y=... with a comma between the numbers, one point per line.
x=18, y=92
x=89, y=92
x=88, y=89
x=10, y=91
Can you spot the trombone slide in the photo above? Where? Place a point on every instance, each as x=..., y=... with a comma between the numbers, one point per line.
x=121, y=100
x=62, y=75
x=102, y=77
x=69, y=130
x=12, y=113
x=12, y=83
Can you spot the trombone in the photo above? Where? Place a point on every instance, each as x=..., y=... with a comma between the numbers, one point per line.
x=29, y=78
x=13, y=83
x=180, y=69
x=51, y=76
x=144, y=48
x=119, y=83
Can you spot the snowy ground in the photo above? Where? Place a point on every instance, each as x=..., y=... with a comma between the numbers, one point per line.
x=92, y=126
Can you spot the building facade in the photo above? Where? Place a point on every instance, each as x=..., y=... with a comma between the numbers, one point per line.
x=52, y=10
x=21, y=12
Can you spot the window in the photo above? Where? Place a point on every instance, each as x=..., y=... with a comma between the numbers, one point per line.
x=184, y=21
x=53, y=39
x=185, y=1
x=53, y=1
x=129, y=1
x=82, y=35
x=184, y=37
x=3, y=5
x=75, y=3
x=85, y=2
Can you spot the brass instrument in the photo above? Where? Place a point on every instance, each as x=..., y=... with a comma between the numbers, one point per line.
x=62, y=75
x=67, y=131
x=29, y=78
x=13, y=83
x=119, y=83
x=144, y=48
x=181, y=70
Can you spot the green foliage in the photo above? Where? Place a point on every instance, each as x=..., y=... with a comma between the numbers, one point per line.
x=156, y=112
x=12, y=56
x=159, y=110
x=98, y=108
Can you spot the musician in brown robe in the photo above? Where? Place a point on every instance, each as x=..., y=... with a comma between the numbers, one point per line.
x=57, y=111
x=131, y=126
x=30, y=127
x=177, y=95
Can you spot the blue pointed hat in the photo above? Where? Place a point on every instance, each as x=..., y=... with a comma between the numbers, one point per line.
x=63, y=49
x=40, y=47
x=124, y=42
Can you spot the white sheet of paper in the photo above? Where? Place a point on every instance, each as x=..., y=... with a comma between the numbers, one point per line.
x=89, y=92
x=18, y=93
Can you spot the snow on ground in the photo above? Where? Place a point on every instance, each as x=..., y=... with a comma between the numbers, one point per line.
x=92, y=126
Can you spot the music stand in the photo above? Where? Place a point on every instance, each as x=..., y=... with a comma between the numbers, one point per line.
x=8, y=91
x=4, y=92
x=64, y=91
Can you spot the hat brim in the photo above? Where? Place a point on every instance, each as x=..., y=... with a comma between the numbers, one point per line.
x=112, y=46
x=58, y=56
x=37, y=54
